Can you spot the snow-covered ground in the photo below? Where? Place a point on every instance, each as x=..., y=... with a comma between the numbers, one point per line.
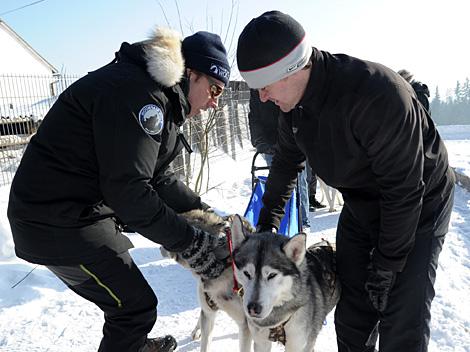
x=457, y=140
x=41, y=314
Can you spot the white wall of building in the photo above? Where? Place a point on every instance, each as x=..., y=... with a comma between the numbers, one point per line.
x=25, y=77
x=15, y=58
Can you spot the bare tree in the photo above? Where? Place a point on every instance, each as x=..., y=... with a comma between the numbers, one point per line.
x=202, y=127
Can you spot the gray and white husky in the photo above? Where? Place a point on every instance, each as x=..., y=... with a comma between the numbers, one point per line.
x=216, y=294
x=288, y=288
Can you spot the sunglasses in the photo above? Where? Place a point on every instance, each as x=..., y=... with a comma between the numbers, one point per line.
x=215, y=89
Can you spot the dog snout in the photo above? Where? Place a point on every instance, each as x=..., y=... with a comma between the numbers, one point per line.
x=254, y=309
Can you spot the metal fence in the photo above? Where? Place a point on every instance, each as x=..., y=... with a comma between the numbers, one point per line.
x=29, y=96
x=24, y=101
x=217, y=134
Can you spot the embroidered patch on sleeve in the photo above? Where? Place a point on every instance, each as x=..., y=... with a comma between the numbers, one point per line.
x=151, y=119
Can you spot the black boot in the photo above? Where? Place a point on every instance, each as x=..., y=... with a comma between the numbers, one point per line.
x=160, y=344
x=315, y=204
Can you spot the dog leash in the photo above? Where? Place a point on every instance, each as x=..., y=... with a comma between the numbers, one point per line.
x=236, y=288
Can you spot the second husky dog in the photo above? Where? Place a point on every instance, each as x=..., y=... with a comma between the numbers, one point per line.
x=288, y=289
x=331, y=194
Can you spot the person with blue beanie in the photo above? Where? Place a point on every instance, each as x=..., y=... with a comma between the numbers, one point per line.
x=99, y=163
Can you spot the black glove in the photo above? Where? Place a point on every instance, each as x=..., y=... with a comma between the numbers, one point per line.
x=379, y=283
x=265, y=148
x=200, y=256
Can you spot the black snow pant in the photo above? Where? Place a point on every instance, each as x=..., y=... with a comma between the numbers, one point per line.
x=404, y=325
x=119, y=289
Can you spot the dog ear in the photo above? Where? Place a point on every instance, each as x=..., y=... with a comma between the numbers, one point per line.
x=295, y=248
x=238, y=233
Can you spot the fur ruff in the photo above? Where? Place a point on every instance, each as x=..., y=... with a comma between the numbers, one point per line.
x=165, y=61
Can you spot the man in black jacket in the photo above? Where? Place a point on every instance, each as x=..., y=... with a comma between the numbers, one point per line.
x=262, y=119
x=363, y=131
x=100, y=158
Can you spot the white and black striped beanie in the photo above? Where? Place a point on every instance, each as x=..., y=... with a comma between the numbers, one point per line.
x=270, y=48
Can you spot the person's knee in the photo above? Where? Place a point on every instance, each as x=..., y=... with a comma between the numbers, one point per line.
x=143, y=300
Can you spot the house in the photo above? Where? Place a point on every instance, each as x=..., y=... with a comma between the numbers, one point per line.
x=18, y=57
x=26, y=78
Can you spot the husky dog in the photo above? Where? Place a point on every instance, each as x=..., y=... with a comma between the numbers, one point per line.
x=331, y=194
x=217, y=293
x=288, y=289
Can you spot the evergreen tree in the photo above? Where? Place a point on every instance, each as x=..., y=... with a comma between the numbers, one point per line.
x=455, y=109
x=466, y=90
x=436, y=107
x=459, y=93
x=466, y=102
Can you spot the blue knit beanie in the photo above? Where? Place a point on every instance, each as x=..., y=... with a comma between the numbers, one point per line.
x=204, y=52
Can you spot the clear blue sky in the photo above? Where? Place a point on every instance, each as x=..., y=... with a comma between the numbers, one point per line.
x=424, y=36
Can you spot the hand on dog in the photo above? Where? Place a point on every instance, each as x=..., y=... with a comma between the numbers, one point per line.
x=201, y=257
x=378, y=285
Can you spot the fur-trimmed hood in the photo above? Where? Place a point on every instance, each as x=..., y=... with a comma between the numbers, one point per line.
x=165, y=62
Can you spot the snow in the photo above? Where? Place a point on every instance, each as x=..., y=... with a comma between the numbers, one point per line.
x=41, y=314
x=457, y=140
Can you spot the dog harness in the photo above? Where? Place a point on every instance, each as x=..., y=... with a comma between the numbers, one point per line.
x=212, y=305
x=278, y=333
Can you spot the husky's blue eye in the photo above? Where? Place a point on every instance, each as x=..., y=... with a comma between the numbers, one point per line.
x=247, y=275
x=271, y=276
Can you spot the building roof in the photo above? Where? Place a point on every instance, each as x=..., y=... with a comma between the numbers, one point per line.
x=28, y=47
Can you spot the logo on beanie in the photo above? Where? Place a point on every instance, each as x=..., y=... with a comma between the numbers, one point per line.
x=151, y=119
x=220, y=71
x=298, y=64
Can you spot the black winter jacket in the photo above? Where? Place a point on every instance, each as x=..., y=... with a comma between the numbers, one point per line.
x=92, y=161
x=363, y=132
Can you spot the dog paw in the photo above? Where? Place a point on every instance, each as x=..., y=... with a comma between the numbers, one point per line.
x=196, y=334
